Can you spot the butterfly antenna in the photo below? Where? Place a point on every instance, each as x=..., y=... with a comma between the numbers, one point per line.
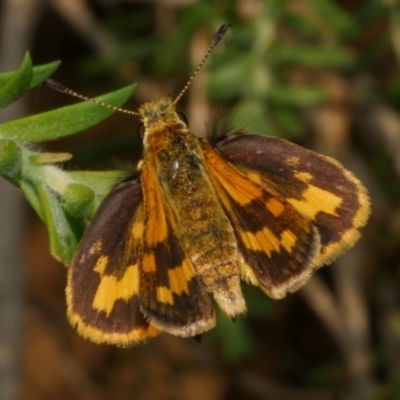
x=217, y=38
x=62, y=89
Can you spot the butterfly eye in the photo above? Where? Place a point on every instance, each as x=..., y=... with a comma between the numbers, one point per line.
x=140, y=131
x=183, y=119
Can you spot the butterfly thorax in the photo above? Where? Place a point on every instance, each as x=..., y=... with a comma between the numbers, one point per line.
x=174, y=174
x=170, y=151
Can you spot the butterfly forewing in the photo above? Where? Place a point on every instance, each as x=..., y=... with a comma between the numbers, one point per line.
x=320, y=188
x=279, y=247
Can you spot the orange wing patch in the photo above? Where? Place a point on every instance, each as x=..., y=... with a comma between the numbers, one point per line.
x=111, y=289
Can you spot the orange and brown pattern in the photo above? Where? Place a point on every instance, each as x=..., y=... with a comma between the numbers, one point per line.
x=197, y=220
x=102, y=289
x=319, y=187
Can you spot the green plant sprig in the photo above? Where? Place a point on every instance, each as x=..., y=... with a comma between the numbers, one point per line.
x=64, y=200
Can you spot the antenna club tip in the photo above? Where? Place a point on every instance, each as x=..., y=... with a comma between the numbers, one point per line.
x=220, y=33
x=55, y=85
x=224, y=28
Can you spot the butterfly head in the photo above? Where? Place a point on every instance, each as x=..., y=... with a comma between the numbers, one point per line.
x=158, y=114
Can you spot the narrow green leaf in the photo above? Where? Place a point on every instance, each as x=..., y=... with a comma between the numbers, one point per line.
x=39, y=74
x=31, y=195
x=64, y=121
x=62, y=238
x=17, y=84
x=50, y=158
x=42, y=72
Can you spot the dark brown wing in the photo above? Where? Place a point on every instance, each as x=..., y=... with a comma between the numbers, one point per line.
x=279, y=247
x=103, y=278
x=319, y=187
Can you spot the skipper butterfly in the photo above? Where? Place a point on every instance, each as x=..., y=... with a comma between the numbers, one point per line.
x=199, y=217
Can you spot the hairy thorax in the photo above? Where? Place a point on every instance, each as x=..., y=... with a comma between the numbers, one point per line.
x=174, y=158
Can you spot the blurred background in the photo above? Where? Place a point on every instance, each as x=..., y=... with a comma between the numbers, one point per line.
x=322, y=73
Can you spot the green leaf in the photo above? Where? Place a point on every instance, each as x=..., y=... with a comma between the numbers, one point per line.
x=64, y=121
x=10, y=159
x=39, y=74
x=62, y=237
x=78, y=200
x=100, y=182
x=30, y=193
x=17, y=84
x=42, y=72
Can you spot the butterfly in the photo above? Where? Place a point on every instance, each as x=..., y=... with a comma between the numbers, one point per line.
x=198, y=218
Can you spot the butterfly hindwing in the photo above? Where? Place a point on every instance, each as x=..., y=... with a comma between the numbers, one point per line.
x=320, y=188
x=279, y=247
x=103, y=279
